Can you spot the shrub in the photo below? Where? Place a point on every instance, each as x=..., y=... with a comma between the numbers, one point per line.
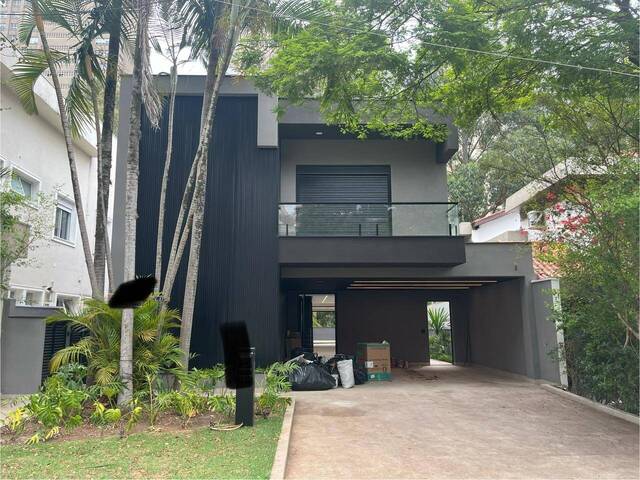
x=105, y=416
x=440, y=346
x=56, y=406
x=276, y=382
x=155, y=348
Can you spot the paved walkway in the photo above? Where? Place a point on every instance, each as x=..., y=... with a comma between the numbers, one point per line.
x=454, y=422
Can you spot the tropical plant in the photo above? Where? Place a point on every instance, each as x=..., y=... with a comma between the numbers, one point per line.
x=83, y=22
x=102, y=415
x=155, y=348
x=438, y=319
x=224, y=404
x=74, y=112
x=214, y=29
x=276, y=382
x=54, y=407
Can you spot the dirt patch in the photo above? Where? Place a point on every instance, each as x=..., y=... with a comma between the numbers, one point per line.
x=166, y=422
x=421, y=376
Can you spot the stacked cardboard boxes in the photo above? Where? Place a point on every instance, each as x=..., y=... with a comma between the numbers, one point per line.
x=375, y=358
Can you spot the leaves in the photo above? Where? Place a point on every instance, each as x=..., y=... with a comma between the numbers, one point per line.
x=155, y=348
x=26, y=73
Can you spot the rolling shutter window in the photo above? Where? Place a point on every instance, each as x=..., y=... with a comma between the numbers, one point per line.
x=343, y=200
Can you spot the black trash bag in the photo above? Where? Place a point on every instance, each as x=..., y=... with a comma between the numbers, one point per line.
x=312, y=357
x=359, y=375
x=311, y=376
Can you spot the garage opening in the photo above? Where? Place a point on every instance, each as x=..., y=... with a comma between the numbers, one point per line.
x=440, y=336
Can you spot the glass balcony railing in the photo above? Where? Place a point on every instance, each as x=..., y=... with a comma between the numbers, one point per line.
x=367, y=219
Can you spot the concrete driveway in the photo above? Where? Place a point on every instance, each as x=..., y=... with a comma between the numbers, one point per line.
x=456, y=422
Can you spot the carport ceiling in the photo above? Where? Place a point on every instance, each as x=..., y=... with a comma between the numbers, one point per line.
x=417, y=284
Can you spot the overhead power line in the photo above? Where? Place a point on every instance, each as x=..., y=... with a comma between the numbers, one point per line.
x=426, y=42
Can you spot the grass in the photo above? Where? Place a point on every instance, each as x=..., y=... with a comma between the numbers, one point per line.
x=201, y=453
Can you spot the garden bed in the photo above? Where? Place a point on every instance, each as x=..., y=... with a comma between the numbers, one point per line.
x=193, y=452
x=166, y=422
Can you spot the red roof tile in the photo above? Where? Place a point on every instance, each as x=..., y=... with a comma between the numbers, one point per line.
x=545, y=269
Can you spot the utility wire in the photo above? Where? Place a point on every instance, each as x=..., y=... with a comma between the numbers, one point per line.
x=426, y=42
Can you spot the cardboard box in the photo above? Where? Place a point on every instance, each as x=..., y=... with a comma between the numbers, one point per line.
x=375, y=358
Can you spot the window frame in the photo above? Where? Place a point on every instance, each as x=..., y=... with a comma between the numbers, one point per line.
x=25, y=176
x=66, y=204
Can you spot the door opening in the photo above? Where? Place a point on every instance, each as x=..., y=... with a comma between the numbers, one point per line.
x=324, y=325
x=440, y=337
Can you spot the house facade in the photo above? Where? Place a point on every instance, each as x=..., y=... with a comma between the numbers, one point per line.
x=33, y=150
x=296, y=209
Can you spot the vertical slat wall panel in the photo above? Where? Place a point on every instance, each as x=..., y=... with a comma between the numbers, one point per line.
x=239, y=274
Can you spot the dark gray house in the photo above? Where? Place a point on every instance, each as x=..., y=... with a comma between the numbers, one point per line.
x=296, y=208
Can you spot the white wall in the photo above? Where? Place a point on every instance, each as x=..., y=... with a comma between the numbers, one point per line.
x=488, y=231
x=32, y=144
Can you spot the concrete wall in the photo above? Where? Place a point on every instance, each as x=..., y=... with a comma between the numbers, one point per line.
x=415, y=176
x=397, y=317
x=496, y=327
x=504, y=261
x=546, y=297
x=22, y=339
x=32, y=145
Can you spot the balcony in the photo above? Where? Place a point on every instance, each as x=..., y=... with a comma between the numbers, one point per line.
x=394, y=234
x=367, y=219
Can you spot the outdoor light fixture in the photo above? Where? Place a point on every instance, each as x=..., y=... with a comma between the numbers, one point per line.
x=319, y=133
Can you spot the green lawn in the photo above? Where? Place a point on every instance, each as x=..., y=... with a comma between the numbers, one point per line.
x=202, y=453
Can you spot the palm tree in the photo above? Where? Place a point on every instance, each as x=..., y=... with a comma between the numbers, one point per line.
x=155, y=348
x=229, y=22
x=171, y=30
x=83, y=25
x=141, y=92
x=111, y=14
x=32, y=65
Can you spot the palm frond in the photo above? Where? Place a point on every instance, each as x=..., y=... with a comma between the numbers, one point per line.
x=26, y=73
x=79, y=106
x=72, y=354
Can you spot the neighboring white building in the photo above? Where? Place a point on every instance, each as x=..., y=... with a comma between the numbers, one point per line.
x=33, y=147
x=511, y=223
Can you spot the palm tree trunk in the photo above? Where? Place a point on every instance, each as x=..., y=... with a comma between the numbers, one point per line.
x=180, y=236
x=77, y=196
x=162, y=207
x=102, y=247
x=100, y=206
x=230, y=37
x=131, y=205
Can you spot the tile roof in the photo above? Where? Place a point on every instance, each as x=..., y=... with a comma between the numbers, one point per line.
x=545, y=269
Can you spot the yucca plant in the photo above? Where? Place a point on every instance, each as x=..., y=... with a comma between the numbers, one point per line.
x=155, y=348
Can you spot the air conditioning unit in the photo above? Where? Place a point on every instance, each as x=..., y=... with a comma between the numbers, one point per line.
x=536, y=218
